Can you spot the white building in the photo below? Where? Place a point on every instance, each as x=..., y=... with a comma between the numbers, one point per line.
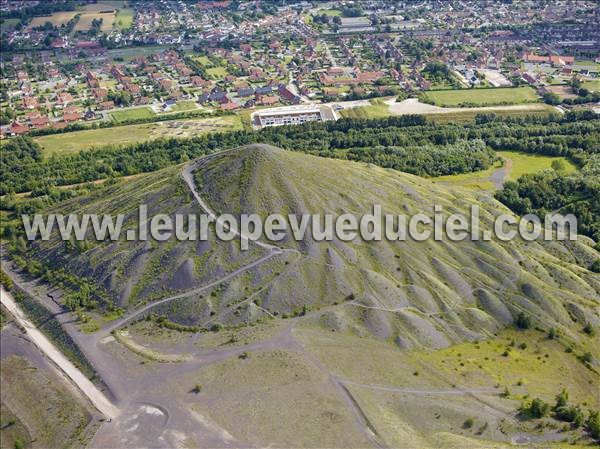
x=292, y=115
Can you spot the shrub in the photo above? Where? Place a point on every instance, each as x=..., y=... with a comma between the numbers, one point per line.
x=523, y=321
x=536, y=409
x=589, y=329
x=593, y=424
x=570, y=414
x=468, y=423
x=216, y=327
x=561, y=399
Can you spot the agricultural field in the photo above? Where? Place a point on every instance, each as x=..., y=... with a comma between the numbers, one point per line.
x=103, y=10
x=481, y=97
x=81, y=140
x=132, y=114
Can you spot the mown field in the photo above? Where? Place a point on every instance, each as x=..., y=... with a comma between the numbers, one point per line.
x=520, y=164
x=102, y=10
x=132, y=114
x=377, y=109
x=592, y=85
x=124, y=18
x=81, y=140
x=481, y=97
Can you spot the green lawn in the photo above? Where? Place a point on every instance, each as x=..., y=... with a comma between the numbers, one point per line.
x=482, y=97
x=329, y=12
x=524, y=163
x=8, y=25
x=203, y=60
x=594, y=85
x=124, y=18
x=217, y=72
x=182, y=106
x=78, y=140
x=520, y=164
x=468, y=115
x=377, y=109
x=132, y=114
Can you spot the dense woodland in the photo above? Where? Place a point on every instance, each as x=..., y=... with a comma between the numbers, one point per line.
x=407, y=143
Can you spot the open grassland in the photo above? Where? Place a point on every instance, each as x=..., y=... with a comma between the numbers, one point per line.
x=526, y=362
x=203, y=60
x=124, y=18
x=101, y=10
x=13, y=432
x=468, y=114
x=217, y=72
x=279, y=398
x=524, y=163
x=514, y=166
x=377, y=109
x=132, y=114
x=8, y=25
x=482, y=97
x=48, y=410
x=81, y=140
x=479, y=180
x=86, y=19
x=182, y=106
x=414, y=398
x=593, y=85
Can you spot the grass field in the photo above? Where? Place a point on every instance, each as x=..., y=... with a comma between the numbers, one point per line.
x=102, y=10
x=521, y=164
x=54, y=417
x=482, y=97
x=467, y=115
x=86, y=19
x=182, y=106
x=594, y=85
x=124, y=18
x=8, y=25
x=132, y=114
x=80, y=140
x=377, y=109
x=217, y=72
x=203, y=60
x=329, y=12
x=524, y=164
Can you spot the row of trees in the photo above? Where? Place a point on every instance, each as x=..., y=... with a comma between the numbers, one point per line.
x=23, y=169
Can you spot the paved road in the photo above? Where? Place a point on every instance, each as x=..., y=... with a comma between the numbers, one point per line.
x=41, y=341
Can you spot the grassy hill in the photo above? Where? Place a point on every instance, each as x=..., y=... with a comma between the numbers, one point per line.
x=416, y=294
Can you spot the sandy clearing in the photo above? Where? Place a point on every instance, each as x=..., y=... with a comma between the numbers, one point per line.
x=41, y=341
x=414, y=106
